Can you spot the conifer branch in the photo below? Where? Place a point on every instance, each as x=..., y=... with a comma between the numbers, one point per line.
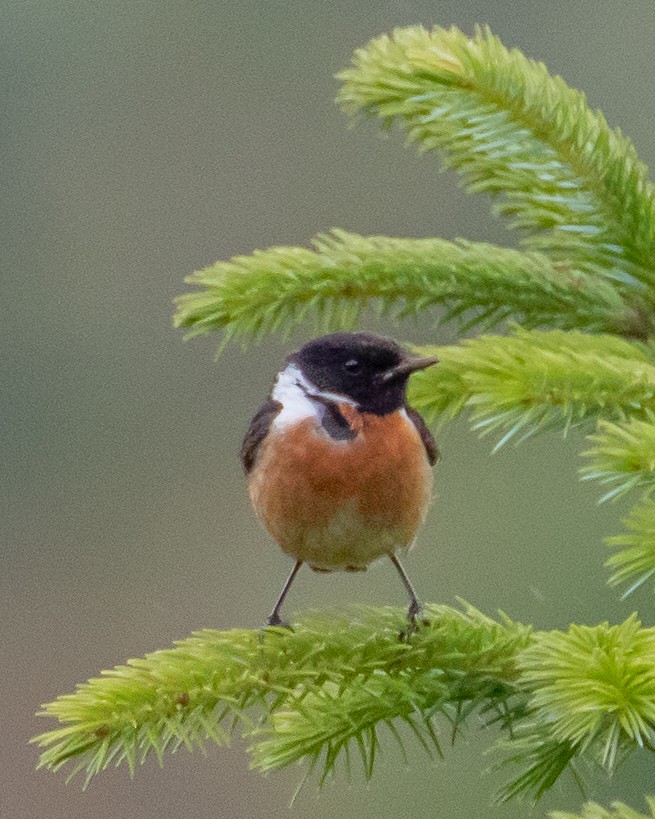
x=533, y=380
x=623, y=455
x=281, y=287
x=600, y=684
x=572, y=184
x=331, y=684
x=216, y=681
x=591, y=697
x=635, y=560
x=618, y=810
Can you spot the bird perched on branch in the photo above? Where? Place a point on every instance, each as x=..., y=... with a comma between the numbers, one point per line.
x=339, y=464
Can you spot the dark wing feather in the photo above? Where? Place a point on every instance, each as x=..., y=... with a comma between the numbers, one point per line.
x=431, y=448
x=336, y=426
x=257, y=431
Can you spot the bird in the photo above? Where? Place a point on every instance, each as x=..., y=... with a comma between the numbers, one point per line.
x=339, y=466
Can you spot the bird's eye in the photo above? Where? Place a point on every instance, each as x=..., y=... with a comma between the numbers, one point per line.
x=352, y=366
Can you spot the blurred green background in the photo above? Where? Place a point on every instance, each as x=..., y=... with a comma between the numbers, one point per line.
x=141, y=141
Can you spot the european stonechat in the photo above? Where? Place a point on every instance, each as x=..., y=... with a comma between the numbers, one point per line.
x=339, y=464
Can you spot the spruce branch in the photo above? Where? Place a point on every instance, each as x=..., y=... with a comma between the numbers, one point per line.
x=463, y=663
x=573, y=185
x=634, y=561
x=216, y=681
x=280, y=287
x=330, y=685
x=623, y=454
x=534, y=380
x=594, y=686
x=592, y=698
x=618, y=810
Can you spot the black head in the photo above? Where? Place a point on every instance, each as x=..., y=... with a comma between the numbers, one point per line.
x=370, y=370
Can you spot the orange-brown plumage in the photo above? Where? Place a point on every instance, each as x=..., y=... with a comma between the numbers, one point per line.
x=340, y=505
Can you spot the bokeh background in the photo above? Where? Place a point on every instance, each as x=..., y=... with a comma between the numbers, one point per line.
x=141, y=141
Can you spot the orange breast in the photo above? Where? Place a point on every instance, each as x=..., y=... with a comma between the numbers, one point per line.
x=342, y=504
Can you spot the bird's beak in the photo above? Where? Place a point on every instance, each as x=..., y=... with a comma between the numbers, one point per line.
x=409, y=365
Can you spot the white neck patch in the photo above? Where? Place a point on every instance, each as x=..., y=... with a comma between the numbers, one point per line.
x=295, y=392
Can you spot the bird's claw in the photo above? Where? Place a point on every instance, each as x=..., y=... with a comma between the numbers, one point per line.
x=415, y=619
x=275, y=621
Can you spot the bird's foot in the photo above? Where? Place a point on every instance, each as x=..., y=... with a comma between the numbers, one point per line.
x=415, y=619
x=276, y=621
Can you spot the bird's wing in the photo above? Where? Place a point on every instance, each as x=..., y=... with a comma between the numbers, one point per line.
x=431, y=448
x=257, y=431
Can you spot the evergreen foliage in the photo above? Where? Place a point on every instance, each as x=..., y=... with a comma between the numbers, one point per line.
x=278, y=288
x=575, y=303
x=574, y=187
x=623, y=454
x=529, y=381
x=329, y=686
x=618, y=811
x=286, y=689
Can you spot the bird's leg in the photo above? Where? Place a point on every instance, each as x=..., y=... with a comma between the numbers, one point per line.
x=415, y=610
x=274, y=618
